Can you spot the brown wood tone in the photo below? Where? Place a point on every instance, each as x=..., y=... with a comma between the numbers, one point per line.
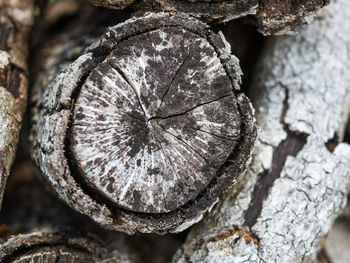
x=146, y=128
x=16, y=19
x=115, y=4
x=57, y=247
x=272, y=17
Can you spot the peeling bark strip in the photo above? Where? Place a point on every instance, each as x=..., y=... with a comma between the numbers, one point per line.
x=57, y=247
x=147, y=128
x=291, y=197
x=115, y=4
x=273, y=17
x=16, y=19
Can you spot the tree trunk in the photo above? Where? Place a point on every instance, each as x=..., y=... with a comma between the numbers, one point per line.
x=298, y=181
x=145, y=129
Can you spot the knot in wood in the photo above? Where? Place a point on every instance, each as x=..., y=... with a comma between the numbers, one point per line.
x=155, y=119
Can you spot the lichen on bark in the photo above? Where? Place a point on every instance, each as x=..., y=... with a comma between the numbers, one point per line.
x=296, y=184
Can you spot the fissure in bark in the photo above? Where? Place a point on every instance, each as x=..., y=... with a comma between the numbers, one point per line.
x=298, y=181
x=148, y=124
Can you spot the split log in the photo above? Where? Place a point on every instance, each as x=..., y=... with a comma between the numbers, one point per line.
x=299, y=177
x=273, y=17
x=16, y=19
x=147, y=128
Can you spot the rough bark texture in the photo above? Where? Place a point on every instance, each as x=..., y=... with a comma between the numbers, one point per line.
x=38, y=227
x=115, y=4
x=299, y=177
x=57, y=247
x=16, y=19
x=145, y=129
x=273, y=17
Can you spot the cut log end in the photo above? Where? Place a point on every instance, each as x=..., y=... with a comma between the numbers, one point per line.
x=60, y=247
x=151, y=121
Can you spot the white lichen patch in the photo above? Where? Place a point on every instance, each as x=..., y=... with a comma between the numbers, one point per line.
x=4, y=59
x=301, y=90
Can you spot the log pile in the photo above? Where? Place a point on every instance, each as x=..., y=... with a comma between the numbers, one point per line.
x=138, y=121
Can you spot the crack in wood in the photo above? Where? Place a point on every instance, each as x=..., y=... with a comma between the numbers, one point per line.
x=288, y=147
x=99, y=71
x=174, y=77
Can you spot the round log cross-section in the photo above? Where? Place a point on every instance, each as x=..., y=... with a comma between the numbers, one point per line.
x=56, y=247
x=147, y=128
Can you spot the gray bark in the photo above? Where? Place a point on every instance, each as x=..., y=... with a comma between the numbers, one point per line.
x=145, y=129
x=16, y=19
x=273, y=17
x=298, y=181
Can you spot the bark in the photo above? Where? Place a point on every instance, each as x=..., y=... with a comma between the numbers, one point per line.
x=16, y=19
x=37, y=227
x=273, y=17
x=115, y=4
x=298, y=180
x=145, y=129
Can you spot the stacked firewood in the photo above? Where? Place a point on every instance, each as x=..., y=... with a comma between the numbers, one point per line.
x=184, y=124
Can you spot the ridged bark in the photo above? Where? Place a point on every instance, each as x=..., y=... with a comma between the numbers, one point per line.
x=272, y=17
x=298, y=181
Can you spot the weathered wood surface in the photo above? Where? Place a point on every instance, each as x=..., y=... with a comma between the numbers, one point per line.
x=299, y=177
x=145, y=129
x=35, y=226
x=58, y=247
x=115, y=4
x=273, y=17
x=16, y=19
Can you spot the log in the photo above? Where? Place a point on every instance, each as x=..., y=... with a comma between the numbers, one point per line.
x=115, y=4
x=16, y=20
x=57, y=247
x=35, y=226
x=147, y=128
x=298, y=180
x=272, y=17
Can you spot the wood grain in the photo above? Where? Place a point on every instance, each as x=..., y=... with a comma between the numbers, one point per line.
x=147, y=126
